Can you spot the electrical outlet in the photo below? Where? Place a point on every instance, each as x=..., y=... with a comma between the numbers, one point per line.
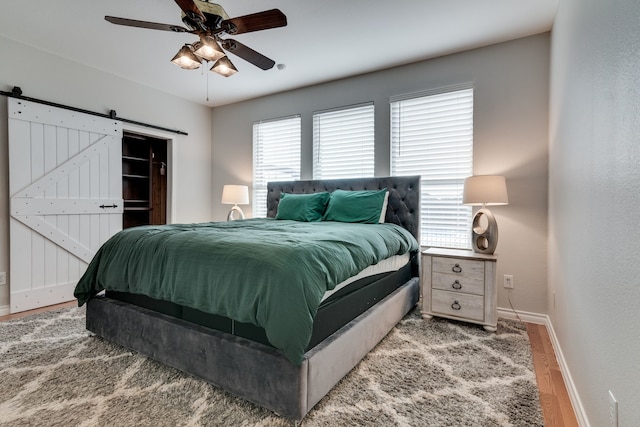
x=3, y=278
x=613, y=410
x=508, y=281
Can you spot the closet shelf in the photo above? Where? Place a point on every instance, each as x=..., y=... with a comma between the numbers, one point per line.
x=135, y=208
x=137, y=159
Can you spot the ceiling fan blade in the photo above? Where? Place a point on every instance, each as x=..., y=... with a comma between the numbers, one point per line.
x=146, y=24
x=248, y=54
x=194, y=16
x=189, y=7
x=273, y=18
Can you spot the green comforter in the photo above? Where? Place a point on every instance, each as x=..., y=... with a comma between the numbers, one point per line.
x=272, y=273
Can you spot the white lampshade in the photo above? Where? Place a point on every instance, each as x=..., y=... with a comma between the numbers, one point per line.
x=485, y=190
x=235, y=195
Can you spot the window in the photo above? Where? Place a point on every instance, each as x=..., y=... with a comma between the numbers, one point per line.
x=343, y=143
x=432, y=136
x=276, y=157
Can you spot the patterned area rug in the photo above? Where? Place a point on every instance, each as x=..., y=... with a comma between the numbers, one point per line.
x=424, y=373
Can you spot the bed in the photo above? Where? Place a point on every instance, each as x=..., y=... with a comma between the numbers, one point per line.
x=238, y=355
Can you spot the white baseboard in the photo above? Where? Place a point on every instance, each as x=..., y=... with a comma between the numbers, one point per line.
x=4, y=310
x=543, y=319
x=525, y=316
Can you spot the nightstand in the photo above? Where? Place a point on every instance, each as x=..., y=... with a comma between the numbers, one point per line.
x=461, y=285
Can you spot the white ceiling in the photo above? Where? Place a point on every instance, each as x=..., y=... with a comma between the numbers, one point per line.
x=324, y=40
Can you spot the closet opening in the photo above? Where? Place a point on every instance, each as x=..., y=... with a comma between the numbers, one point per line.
x=144, y=180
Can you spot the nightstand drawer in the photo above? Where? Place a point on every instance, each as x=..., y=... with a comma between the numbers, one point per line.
x=456, y=304
x=456, y=283
x=463, y=267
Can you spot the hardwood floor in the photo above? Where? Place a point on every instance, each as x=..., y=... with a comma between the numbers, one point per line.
x=37, y=310
x=554, y=399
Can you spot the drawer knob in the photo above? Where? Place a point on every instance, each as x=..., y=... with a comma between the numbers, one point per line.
x=456, y=305
x=456, y=285
x=456, y=268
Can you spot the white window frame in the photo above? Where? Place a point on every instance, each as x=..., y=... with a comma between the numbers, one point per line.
x=432, y=136
x=344, y=142
x=276, y=157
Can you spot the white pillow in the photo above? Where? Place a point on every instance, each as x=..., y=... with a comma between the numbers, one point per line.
x=383, y=213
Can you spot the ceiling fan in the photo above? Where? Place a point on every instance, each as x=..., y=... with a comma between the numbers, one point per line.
x=210, y=23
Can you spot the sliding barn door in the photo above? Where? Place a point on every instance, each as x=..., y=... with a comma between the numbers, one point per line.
x=65, y=187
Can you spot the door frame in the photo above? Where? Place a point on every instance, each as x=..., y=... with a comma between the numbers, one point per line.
x=172, y=144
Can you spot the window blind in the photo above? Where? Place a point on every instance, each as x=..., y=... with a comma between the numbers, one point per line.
x=276, y=157
x=343, y=142
x=432, y=136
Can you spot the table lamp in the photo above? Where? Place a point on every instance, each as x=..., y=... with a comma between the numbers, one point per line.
x=235, y=195
x=484, y=190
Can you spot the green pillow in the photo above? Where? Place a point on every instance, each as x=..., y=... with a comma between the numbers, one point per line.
x=357, y=206
x=302, y=207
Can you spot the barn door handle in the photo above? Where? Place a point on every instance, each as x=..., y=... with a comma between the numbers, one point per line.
x=108, y=206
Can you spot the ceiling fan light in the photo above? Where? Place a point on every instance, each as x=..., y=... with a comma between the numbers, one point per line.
x=208, y=48
x=185, y=58
x=224, y=67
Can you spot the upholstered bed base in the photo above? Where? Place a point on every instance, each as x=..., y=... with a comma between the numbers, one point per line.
x=251, y=370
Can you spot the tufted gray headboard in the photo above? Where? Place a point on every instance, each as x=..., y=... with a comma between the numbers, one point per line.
x=404, y=195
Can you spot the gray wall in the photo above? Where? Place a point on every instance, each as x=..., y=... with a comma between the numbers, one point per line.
x=510, y=137
x=51, y=78
x=594, y=200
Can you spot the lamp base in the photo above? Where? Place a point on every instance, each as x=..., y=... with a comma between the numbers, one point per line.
x=484, y=232
x=235, y=213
